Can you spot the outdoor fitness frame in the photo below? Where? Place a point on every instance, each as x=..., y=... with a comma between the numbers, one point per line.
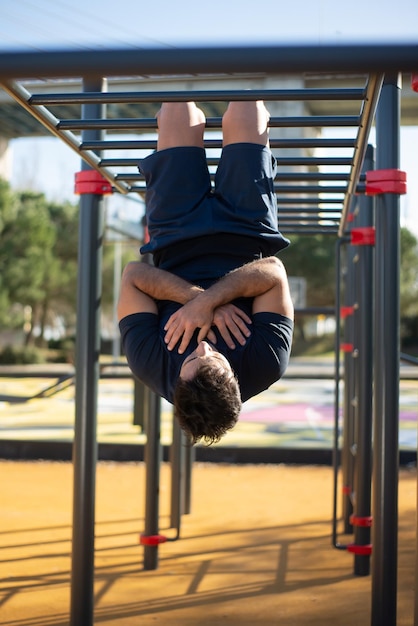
x=92, y=65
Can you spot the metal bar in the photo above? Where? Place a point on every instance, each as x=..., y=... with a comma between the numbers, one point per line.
x=177, y=459
x=349, y=447
x=153, y=454
x=281, y=161
x=363, y=345
x=386, y=397
x=212, y=122
x=370, y=102
x=304, y=201
x=293, y=189
x=190, y=454
x=285, y=59
x=300, y=211
x=225, y=95
x=45, y=117
x=336, y=449
x=217, y=143
x=312, y=220
x=302, y=189
x=308, y=231
x=312, y=176
x=288, y=176
x=91, y=229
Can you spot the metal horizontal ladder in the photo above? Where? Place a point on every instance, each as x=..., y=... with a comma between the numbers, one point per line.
x=311, y=200
x=308, y=203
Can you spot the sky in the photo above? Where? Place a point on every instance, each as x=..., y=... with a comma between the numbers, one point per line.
x=32, y=25
x=41, y=24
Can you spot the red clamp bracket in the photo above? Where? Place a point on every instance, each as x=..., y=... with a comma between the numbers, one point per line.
x=385, y=181
x=346, y=489
x=360, y=550
x=345, y=311
x=363, y=522
x=347, y=347
x=151, y=540
x=364, y=236
x=91, y=181
x=414, y=82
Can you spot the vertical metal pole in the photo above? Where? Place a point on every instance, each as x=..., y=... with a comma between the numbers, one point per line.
x=386, y=396
x=152, y=486
x=141, y=404
x=87, y=375
x=348, y=450
x=177, y=454
x=117, y=271
x=335, y=452
x=190, y=458
x=363, y=321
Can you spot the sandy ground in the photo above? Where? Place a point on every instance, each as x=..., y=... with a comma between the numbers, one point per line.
x=256, y=549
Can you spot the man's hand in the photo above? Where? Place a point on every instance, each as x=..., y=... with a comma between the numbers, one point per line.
x=230, y=320
x=181, y=325
x=232, y=323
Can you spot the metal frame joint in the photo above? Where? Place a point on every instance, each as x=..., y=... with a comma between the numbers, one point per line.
x=91, y=181
x=363, y=236
x=385, y=181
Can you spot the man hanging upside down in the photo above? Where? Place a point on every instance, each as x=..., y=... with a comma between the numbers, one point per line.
x=209, y=325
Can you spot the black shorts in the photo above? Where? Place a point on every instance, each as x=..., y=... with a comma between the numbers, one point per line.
x=181, y=203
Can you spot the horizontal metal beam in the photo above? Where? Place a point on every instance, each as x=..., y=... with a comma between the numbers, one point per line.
x=304, y=121
x=311, y=219
x=313, y=176
x=293, y=189
x=224, y=95
x=301, y=189
x=284, y=210
x=281, y=161
x=217, y=143
x=301, y=230
x=281, y=176
x=285, y=59
x=306, y=201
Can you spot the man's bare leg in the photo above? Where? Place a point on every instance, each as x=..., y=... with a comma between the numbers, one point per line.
x=246, y=122
x=180, y=124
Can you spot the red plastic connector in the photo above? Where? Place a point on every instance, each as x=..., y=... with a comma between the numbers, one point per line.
x=364, y=236
x=385, y=181
x=414, y=82
x=363, y=522
x=347, y=347
x=91, y=181
x=345, y=311
x=151, y=540
x=346, y=490
x=360, y=550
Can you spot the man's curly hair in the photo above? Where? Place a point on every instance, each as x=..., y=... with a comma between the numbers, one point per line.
x=208, y=405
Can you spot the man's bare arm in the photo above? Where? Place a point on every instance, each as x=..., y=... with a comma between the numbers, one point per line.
x=264, y=280
x=142, y=284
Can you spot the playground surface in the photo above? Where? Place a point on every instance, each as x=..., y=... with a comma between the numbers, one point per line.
x=255, y=549
x=296, y=413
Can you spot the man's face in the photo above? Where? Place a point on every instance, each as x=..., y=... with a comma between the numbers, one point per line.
x=204, y=354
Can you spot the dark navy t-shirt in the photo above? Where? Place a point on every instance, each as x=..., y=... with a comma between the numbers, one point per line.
x=260, y=362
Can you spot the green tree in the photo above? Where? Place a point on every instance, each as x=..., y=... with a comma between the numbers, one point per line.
x=409, y=274
x=28, y=246
x=313, y=258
